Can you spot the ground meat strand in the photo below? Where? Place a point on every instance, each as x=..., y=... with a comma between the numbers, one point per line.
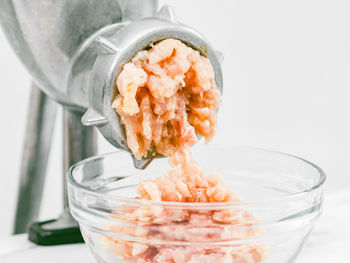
x=167, y=95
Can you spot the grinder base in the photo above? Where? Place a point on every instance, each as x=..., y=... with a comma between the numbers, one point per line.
x=64, y=230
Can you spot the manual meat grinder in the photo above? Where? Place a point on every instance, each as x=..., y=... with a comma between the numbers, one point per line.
x=74, y=50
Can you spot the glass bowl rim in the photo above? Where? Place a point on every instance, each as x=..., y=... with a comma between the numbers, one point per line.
x=72, y=182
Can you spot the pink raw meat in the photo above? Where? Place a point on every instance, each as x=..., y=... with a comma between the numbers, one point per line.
x=167, y=95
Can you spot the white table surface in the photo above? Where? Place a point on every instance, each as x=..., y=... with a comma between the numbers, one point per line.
x=329, y=243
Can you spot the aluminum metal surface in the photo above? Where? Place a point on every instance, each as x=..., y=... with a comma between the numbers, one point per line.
x=118, y=49
x=49, y=37
x=75, y=49
x=80, y=142
x=37, y=143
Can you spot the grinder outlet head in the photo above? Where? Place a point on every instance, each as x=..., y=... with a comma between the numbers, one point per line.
x=117, y=50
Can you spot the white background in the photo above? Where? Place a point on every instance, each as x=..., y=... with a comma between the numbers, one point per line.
x=286, y=73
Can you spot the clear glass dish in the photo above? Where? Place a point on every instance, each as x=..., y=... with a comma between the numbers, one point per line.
x=281, y=199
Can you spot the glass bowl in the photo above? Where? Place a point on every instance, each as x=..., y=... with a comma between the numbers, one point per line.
x=280, y=196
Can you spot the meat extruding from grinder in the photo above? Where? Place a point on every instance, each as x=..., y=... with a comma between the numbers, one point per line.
x=167, y=95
